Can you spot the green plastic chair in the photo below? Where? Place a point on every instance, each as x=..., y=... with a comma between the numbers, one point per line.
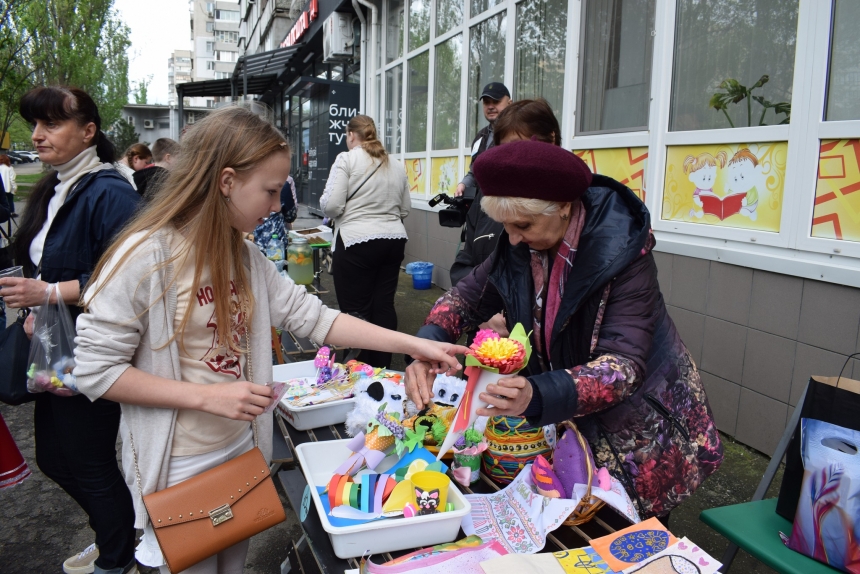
x=755, y=525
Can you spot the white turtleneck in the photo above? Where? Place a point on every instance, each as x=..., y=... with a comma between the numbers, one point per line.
x=68, y=173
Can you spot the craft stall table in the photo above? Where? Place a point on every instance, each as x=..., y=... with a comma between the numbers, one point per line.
x=312, y=552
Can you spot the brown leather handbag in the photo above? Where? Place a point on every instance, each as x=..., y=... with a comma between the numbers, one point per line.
x=216, y=509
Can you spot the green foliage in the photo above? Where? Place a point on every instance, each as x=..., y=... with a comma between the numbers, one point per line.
x=735, y=93
x=122, y=135
x=141, y=95
x=473, y=437
x=79, y=43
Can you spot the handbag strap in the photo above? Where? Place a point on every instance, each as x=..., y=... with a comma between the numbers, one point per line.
x=250, y=378
x=363, y=182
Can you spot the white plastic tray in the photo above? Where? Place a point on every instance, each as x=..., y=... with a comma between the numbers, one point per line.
x=304, y=418
x=320, y=459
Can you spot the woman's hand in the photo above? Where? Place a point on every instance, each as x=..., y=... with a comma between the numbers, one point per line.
x=242, y=401
x=419, y=383
x=19, y=292
x=498, y=324
x=510, y=396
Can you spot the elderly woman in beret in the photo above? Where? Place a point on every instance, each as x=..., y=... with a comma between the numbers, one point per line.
x=574, y=266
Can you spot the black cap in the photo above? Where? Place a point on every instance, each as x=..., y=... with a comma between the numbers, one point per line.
x=495, y=91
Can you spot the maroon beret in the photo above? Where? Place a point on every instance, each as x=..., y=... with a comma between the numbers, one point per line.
x=532, y=169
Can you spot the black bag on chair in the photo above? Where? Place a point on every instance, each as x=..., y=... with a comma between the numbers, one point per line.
x=14, y=351
x=834, y=400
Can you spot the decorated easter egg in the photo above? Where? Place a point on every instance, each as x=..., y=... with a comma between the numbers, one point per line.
x=409, y=510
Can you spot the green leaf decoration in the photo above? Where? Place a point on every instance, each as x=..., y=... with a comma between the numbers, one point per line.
x=413, y=439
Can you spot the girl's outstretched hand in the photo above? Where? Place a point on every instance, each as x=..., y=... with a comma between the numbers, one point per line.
x=440, y=356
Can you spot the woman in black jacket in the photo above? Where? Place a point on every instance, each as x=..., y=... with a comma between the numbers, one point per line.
x=71, y=217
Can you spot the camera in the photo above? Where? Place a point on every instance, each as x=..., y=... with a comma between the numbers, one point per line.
x=455, y=215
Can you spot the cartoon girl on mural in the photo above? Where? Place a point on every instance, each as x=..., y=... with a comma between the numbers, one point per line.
x=701, y=170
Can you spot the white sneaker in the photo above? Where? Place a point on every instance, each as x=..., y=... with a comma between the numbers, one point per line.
x=82, y=563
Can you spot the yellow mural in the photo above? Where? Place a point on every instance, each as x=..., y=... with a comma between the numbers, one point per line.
x=443, y=175
x=837, y=208
x=726, y=185
x=416, y=175
x=626, y=165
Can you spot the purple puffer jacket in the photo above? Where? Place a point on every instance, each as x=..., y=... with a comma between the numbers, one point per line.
x=616, y=363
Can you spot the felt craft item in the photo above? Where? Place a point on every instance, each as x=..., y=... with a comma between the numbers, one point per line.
x=532, y=169
x=545, y=479
x=493, y=359
x=569, y=461
x=683, y=556
x=628, y=547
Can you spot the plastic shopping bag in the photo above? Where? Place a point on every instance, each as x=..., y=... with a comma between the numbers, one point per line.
x=827, y=523
x=52, y=357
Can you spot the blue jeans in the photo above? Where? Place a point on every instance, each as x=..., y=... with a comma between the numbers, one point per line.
x=76, y=448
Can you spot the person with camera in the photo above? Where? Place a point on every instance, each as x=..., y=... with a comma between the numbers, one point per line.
x=481, y=233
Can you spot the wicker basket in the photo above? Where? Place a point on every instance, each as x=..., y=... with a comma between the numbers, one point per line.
x=588, y=504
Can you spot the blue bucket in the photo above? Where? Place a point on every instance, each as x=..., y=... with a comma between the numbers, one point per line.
x=422, y=275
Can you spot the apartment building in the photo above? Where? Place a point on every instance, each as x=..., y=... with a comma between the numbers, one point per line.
x=265, y=24
x=179, y=71
x=215, y=37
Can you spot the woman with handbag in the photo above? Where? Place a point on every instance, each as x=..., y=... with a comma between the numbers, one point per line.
x=367, y=196
x=181, y=297
x=71, y=215
x=575, y=263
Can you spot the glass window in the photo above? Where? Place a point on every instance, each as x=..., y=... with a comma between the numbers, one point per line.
x=446, y=93
x=479, y=6
x=539, y=62
x=419, y=23
x=843, y=84
x=741, y=50
x=416, y=93
x=615, y=70
x=210, y=47
x=486, y=64
x=394, y=31
x=231, y=15
x=449, y=15
x=393, y=108
x=210, y=26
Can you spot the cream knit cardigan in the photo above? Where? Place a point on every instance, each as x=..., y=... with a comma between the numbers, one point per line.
x=129, y=323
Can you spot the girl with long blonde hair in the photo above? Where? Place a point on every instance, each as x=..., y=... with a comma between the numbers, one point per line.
x=181, y=305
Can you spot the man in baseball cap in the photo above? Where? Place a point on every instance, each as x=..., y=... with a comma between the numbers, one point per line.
x=481, y=232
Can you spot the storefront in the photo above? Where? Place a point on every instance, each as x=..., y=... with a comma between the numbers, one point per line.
x=737, y=123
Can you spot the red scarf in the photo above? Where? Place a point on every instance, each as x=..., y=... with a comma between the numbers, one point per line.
x=549, y=287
